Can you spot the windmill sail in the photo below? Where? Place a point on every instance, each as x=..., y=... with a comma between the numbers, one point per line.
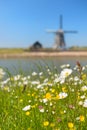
x=70, y=31
x=61, y=22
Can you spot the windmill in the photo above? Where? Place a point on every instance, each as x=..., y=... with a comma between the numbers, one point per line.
x=59, y=38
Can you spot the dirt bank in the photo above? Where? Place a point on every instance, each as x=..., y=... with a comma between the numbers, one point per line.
x=45, y=54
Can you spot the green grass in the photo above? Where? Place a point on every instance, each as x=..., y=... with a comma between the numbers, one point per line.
x=22, y=50
x=45, y=101
x=11, y=50
x=78, y=48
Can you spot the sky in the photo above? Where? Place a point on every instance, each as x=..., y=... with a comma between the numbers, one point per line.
x=23, y=22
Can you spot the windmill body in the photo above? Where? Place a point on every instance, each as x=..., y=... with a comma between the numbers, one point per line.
x=59, y=40
x=59, y=36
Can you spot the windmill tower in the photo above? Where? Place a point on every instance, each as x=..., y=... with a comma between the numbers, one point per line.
x=59, y=35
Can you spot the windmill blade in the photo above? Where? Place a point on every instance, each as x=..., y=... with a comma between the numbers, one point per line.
x=61, y=21
x=70, y=32
x=51, y=31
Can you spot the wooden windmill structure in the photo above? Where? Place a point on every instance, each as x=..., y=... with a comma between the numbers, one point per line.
x=59, y=35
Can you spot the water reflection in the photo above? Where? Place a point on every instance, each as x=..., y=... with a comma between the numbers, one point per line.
x=28, y=65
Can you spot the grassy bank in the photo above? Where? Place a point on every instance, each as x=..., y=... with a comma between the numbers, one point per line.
x=11, y=50
x=47, y=50
x=47, y=100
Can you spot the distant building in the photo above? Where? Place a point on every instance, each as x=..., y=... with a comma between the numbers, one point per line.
x=36, y=46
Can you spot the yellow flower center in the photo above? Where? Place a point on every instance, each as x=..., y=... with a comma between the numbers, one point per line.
x=70, y=125
x=46, y=123
x=48, y=96
x=82, y=118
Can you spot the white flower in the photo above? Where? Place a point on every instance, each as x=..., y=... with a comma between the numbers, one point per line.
x=44, y=100
x=84, y=88
x=17, y=77
x=41, y=73
x=19, y=83
x=65, y=72
x=26, y=108
x=80, y=103
x=77, y=118
x=29, y=101
x=82, y=97
x=72, y=90
x=35, y=82
x=56, y=80
x=39, y=86
x=25, y=82
x=85, y=103
x=28, y=77
x=65, y=110
x=53, y=112
x=2, y=73
x=76, y=78
x=5, y=81
x=59, y=79
x=83, y=68
x=48, y=70
x=62, y=95
x=34, y=74
x=46, y=80
x=55, y=75
x=24, y=78
x=65, y=65
x=51, y=104
x=41, y=110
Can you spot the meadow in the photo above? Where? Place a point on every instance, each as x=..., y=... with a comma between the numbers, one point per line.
x=45, y=100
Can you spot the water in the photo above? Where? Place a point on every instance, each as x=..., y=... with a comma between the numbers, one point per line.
x=28, y=65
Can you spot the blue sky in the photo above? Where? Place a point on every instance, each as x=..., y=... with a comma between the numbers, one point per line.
x=22, y=22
